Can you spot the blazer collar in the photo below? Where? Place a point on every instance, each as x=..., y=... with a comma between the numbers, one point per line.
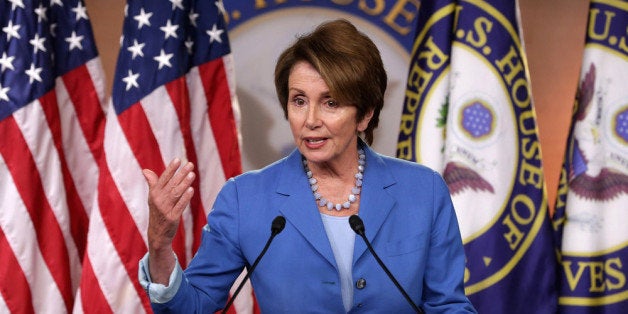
x=301, y=211
x=375, y=200
x=299, y=207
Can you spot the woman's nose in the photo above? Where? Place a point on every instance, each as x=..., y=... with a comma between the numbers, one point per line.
x=312, y=119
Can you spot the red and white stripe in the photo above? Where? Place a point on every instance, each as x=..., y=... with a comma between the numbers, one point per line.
x=48, y=178
x=194, y=118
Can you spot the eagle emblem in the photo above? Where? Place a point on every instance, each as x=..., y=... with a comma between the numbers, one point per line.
x=460, y=177
x=586, y=181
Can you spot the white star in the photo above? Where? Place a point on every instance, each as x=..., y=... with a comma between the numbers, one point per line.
x=75, y=41
x=193, y=16
x=81, y=11
x=3, y=93
x=169, y=30
x=38, y=43
x=11, y=31
x=214, y=34
x=33, y=73
x=136, y=49
x=16, y=3
x=41, y=13
x=189, y=44
x=131, y=80
x=221, y=7
x=143, y=18
x=57, y=2
x=177, y=4
x=164, y=59
x=6, y=62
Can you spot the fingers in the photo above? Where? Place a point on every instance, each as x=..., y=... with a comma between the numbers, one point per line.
x=182, y=178
x=171, y=192
x=170, y=171
x=171, y=178
x=151, y=177
x=183, y=201
x=179, y=189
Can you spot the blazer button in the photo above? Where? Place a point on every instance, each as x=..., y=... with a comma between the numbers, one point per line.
x=361, y=283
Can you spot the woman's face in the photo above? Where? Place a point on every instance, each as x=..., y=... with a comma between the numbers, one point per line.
x=323, y=129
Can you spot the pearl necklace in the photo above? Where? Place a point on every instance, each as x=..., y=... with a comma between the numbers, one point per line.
x=355, y=191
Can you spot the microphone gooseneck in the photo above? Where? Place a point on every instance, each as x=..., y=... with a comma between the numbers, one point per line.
x=275, y=228
x=357, y=225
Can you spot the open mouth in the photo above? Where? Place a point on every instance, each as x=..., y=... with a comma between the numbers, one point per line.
x=314, y=140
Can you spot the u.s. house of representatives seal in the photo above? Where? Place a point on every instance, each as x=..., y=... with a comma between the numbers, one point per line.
x=474, y=96
x=594, y=255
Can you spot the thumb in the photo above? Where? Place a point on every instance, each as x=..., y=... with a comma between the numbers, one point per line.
x=150, y=176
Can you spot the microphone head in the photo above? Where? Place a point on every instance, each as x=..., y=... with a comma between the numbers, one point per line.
x=356, y=224
x=278, y=224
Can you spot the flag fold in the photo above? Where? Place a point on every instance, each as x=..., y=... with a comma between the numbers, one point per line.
x=468, y=114
x=592, y=198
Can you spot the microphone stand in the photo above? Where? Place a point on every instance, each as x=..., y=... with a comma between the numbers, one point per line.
x=277, y=226
x=358, y=226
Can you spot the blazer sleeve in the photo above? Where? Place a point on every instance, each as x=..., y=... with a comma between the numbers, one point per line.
x=444, y=286
x=217, y=264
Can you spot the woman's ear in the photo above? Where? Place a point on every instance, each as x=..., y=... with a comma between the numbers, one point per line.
x=364, y=123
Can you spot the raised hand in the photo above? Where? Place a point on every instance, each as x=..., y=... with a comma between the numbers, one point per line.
x=168, y=196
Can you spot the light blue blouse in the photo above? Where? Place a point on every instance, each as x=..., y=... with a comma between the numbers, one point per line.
x=342, y=239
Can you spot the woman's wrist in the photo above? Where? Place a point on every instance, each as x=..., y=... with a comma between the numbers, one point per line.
x=161, y=263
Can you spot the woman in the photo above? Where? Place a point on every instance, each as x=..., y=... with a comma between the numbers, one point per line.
x=331, y=86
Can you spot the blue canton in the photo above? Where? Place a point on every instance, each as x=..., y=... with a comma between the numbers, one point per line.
x=159, y=45
x=40, y=41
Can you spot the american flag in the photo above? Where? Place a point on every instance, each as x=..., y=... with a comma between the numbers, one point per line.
x=173, y=96
x=51, y=127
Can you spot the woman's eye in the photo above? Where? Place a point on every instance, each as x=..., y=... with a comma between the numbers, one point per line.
x=298, y=101
x=331, y=103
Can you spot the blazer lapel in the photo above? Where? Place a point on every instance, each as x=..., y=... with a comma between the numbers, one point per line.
x=375, y=202
x=299, y=208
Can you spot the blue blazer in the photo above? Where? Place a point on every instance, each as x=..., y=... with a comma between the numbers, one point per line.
x=409, y=219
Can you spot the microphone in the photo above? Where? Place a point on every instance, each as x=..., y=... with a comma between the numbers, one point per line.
x=275, y=228
x=358, y=226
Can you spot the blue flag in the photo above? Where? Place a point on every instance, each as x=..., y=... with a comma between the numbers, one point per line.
x=592, y=200
x=468, y=114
